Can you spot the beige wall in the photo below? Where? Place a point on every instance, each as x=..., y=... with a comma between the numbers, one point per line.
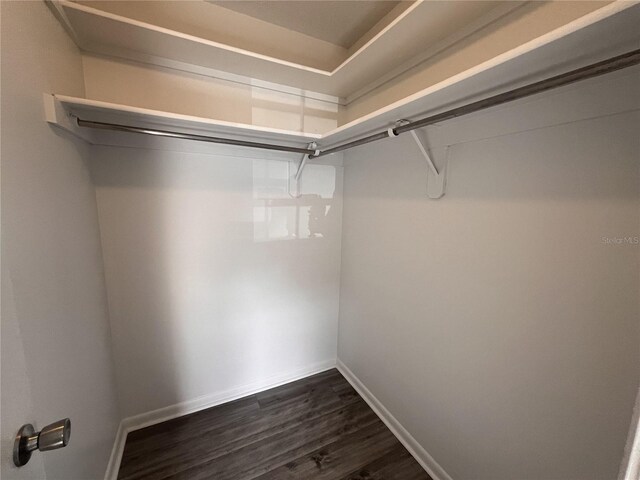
x=497, y=324
x=55, y=330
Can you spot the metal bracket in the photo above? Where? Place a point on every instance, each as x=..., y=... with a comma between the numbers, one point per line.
x=303, y=162
x=436, y=180
x=301, y=165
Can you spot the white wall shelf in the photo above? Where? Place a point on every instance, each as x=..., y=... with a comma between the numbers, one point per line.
x=62, y=110
x=607, y=32
x=416, y=29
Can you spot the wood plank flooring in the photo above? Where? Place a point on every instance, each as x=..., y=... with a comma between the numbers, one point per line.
x=317, y=428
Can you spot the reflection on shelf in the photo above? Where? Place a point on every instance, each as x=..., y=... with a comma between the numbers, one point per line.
x=292, y=112
x=278, y=216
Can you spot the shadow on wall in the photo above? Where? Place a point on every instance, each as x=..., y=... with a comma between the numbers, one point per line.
x=206, y=290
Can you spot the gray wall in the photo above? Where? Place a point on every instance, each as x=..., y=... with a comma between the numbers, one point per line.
x=55, y=330
x=497, y=324
x=215, y=282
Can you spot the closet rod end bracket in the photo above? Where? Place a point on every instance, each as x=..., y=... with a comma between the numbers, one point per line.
x=305, y=158
x=436, y=178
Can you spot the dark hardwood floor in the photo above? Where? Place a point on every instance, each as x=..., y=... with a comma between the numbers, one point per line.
x=312, y=429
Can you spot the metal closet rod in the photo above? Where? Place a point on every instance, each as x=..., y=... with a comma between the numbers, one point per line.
x=594, y=70
x=191, y=136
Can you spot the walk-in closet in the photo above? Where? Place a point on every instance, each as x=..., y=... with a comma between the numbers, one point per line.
x=320, y=240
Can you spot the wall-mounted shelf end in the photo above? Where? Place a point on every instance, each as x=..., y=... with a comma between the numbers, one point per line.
x=56, y=114
x=76, y=114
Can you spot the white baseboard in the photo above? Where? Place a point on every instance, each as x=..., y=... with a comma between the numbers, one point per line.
x=419, y=453
x=116, y=454
x=146, y=419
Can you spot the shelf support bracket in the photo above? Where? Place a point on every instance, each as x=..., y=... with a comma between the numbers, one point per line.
x=305, y=158
x=436, y=179
x=300, y=169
